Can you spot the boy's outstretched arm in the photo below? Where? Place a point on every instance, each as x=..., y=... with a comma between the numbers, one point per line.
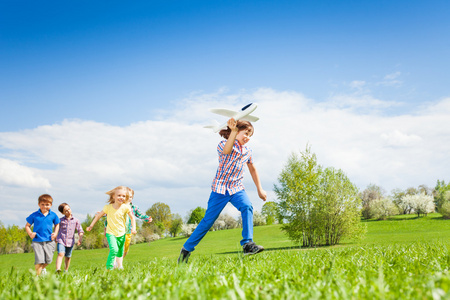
x=80, y=233
x=96, y=218
x=255, y=176
x=133, y=222
x=228, y=148
x=140, y=215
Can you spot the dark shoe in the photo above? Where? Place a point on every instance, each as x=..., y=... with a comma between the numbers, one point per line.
x=184, y=256
x=251, y=248
x=58, y=271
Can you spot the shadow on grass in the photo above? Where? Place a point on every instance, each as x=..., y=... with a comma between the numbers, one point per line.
x=178, y=238
x=288, y=248
x=407, y=218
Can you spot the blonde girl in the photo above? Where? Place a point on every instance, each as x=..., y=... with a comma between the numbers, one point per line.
x=116, y=214
x=138, y=214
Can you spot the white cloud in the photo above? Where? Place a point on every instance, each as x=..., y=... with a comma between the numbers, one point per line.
x=357, y=84
x=13, y=173
x=391, y=80
x=397, y=138
x=360, y=102
x=392, y=76
x=173, y=159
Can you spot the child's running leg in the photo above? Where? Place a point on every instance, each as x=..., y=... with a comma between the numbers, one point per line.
x=68, y=257
x=67, y=263
x=59, y=260
x=39, y=268
x=120, y=245
x=61, y=249
x=113, y=250
x=241, y=201
x=216, y=204
x=119, y=262
x=127, y=244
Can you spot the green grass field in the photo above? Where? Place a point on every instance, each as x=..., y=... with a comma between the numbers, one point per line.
x=402, y=258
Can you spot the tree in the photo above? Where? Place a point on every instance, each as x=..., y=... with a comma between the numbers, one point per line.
x=439, y=193
x=405, y=207
x=225, y=221
x=445, y=208
x=383, y=208
x=3, y=234
x=270, y=211
x=424, y=189
x=95, y=238
x=175, y=227
x=368, y=197
x=14, y=240
x=397, y=195
x=188, y=229
x=321, y=205
x=161, y=215
x=196, y=215
x=258, y=219
x=420, y=203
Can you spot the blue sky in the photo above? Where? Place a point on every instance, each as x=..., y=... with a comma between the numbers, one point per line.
x=112, y=65
x=89, y=59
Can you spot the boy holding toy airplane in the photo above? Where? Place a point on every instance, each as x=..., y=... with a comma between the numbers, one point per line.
x=227, y=187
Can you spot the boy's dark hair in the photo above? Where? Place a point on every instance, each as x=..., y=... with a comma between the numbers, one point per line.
x=45, y=198
x=61, y=207
x=240, y=124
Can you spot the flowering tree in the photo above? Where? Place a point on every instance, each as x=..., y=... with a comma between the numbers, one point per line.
x=420, y=203
x=258, y=219
x=188, y=229
x=369, y=196
x=383, y=208
x=225, y=221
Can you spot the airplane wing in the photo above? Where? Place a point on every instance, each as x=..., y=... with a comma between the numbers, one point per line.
x=223, y=112
x=250, y=118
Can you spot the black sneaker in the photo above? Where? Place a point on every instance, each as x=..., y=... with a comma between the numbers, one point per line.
x=251, y=248
x=184, y=256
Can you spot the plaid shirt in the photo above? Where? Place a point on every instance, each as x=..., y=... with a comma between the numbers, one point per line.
x=230, y=172
x=66, y=234
x=138, y=214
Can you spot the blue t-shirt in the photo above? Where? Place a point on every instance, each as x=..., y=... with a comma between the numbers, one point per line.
x=43, y=225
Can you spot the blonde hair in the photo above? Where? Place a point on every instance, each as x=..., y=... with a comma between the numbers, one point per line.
x=130, y=191
x=112, y=192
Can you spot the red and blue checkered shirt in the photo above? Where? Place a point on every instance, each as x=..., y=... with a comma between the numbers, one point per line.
x=230, y=172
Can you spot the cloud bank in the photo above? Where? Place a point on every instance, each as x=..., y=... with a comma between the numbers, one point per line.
x=172, y=159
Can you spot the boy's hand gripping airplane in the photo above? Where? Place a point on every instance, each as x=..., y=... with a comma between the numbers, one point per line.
x=243, y=114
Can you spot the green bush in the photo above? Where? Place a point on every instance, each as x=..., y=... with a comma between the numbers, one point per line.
x=445, y=210
x=321, y=205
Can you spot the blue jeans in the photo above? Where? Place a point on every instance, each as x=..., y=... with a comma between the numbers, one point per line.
x=216, y=204
x=63, y=249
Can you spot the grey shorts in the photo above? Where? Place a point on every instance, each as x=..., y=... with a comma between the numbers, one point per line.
x=43, y=252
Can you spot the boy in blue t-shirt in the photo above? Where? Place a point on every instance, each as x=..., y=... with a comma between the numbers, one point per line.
x=43, y=236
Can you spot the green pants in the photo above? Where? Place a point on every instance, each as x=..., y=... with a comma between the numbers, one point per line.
x=116, y=245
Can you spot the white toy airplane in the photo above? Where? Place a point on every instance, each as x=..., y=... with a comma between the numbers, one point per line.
x=243, y=114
